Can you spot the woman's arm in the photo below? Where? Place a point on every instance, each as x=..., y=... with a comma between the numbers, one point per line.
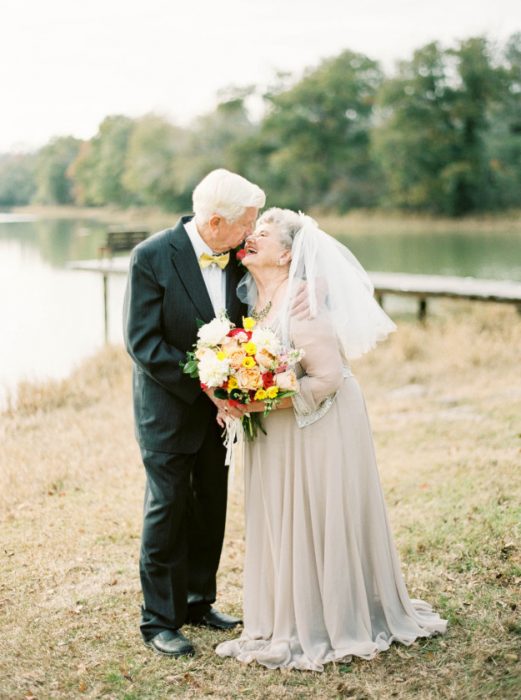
x=322, y=362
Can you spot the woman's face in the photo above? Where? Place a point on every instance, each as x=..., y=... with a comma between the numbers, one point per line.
x=264, y=249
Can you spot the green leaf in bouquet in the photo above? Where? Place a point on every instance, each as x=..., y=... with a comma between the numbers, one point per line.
x=285, y=394
x=190, y=368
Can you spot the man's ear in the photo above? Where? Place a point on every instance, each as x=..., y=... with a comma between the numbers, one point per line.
x=214, y=222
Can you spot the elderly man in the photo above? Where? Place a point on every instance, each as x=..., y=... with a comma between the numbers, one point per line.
x=176, y=277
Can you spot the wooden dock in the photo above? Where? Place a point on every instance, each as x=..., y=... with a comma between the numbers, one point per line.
x=421, y=287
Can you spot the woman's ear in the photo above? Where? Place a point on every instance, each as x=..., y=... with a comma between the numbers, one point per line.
x=284, y=258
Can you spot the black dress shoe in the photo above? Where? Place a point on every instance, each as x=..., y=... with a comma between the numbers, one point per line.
x=171, y=643
x=217, y=620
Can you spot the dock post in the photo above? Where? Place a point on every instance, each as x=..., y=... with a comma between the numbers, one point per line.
x=422, y=309
x=106, y=307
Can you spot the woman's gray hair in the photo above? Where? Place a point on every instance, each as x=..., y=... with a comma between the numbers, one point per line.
x=288, y=223
x=225, y=194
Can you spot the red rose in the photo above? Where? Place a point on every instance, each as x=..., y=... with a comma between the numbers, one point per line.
x=267, y=380
x=240, y=254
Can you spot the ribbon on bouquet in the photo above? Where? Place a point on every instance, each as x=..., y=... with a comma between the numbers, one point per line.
x=233, y=440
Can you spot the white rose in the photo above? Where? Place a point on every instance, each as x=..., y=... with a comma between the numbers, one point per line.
x=201, y=352
x=212, y=371
x=265, y=339
x=294, y=356
x=215, y=332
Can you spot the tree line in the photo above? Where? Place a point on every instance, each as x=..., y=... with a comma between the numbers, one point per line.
x=442, y=135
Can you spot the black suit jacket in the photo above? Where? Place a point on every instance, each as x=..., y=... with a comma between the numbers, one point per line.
x=165, y=296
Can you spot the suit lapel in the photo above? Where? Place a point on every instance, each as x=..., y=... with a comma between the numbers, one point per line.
x=187, y=266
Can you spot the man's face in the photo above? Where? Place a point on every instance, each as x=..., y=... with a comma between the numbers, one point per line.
x=228, y=234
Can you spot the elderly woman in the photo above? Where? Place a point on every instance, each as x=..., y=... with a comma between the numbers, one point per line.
x=322, y=577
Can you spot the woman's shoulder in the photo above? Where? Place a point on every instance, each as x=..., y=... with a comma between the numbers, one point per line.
x=312, y=329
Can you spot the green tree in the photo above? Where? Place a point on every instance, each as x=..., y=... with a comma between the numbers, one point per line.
x=503, y=139
x=54, y=185
x=414, y=136
x=217, y=138
x=467, y=181
x=432, y=123
x=17, y=180
x=150, y=174
x=313, y=147
x=98, y=170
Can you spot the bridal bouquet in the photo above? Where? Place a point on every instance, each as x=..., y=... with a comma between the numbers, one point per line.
x=243, y=365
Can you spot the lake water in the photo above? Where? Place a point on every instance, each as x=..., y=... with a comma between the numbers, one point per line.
x=52, y=316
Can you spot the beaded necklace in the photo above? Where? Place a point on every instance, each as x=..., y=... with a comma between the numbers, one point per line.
x=261, y=315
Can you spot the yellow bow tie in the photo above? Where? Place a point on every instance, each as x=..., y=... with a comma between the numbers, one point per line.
x=206, y=260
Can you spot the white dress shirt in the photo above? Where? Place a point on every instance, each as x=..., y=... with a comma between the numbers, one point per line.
x=214, y=278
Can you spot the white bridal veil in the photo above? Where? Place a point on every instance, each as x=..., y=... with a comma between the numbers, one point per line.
x=333, y=283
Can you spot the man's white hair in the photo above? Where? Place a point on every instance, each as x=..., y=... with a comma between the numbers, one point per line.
x=225, y=194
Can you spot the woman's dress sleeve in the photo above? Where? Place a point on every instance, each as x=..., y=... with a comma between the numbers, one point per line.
x=322, y=366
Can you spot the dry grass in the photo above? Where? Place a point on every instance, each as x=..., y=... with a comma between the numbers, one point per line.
x=445, y=402
x=371, y=222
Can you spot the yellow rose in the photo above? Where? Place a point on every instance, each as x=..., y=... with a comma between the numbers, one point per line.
x=249, y=348
x=248, y=323
x=232, y=383
x=260, y=395
x=248, y=362
x=272, y=392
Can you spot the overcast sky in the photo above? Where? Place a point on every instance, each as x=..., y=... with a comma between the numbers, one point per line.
x=64, y=65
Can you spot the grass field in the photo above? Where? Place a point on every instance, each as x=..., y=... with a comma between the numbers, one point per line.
x=445, y=403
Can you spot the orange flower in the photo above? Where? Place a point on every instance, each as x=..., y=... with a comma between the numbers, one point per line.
x=265, y=359
x=236, y=359
x=249, y=378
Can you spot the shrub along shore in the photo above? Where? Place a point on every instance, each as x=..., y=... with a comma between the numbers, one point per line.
x=356, y=222
x=444, y=399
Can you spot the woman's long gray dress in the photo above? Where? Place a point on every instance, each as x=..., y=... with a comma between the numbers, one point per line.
x=322, y=579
